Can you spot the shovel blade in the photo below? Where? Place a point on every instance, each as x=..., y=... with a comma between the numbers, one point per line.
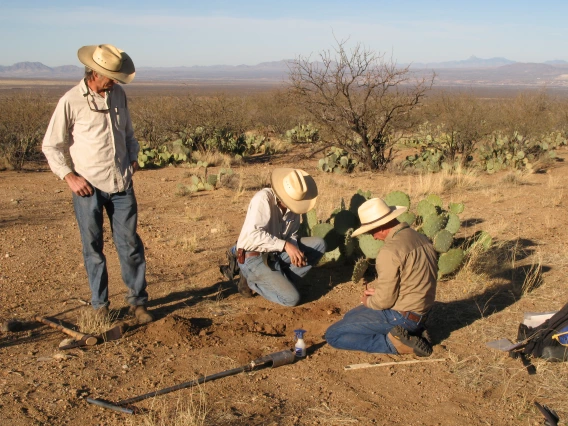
x=114, y=333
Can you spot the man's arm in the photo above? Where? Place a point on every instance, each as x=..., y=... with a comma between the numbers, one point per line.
x=55, y=142
x=384, y=291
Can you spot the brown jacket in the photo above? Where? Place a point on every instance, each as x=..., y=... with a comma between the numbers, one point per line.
x=407, y=269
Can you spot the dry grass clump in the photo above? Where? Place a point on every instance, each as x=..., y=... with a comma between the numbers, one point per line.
x=190, y=244
x=189, y=411
x=214, y=158
x=92, y=322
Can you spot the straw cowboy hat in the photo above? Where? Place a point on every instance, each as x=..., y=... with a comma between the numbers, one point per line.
x=374, y=213
x=109, y=61
x=296, y=188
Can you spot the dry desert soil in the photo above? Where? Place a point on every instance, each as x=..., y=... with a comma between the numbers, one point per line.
x=203, y=326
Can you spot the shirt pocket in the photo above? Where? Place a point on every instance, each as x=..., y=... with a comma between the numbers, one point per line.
x=121, y=118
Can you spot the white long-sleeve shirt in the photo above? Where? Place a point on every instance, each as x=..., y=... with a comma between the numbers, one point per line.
x=101, y=144
x=266, y=229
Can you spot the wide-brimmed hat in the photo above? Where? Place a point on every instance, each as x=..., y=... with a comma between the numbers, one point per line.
x=296, y=188
x=374, y=213
x=109, y=61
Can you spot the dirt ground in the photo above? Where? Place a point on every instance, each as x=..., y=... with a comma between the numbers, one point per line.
x=204, y=326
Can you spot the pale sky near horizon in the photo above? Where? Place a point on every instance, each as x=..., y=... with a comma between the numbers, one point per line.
x=186, y=33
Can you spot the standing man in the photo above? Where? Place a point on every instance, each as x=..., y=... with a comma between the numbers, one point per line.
x=269, y=254
x=92, y=121
x=391, y=316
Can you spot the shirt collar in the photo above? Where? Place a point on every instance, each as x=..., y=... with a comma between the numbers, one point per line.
x=396, y=230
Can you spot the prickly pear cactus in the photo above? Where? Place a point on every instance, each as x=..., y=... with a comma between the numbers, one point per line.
x=456, y=208
x=442, y=241
x=349, y=244
x=425, y=208
x=453, y=224
x=326, y=231
x=359, y=270
x=369, y=246
x=435, y=200
x=450, y=261
x=407, y=217
x=397, y=198
x=433, y=224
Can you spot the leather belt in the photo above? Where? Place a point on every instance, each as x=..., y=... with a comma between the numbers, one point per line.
x=417, y=318
x=252, y=254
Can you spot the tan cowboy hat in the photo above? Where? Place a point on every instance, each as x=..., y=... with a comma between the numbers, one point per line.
x=296, y=188
x=109, y=61
x=374, y=213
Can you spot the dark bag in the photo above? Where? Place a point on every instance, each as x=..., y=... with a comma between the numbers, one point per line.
x=540, y=337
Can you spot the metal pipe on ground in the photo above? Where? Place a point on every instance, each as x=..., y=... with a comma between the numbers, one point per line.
x=275, y=359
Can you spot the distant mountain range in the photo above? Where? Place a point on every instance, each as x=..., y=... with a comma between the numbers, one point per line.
x=471, y=71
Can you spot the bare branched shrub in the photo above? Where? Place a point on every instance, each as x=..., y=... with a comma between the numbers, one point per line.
x=23, y=121
x=360, y=98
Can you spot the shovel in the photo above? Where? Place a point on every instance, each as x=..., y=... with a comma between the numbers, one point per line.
x=114, y=333
x=84, y=339
x=275, y=359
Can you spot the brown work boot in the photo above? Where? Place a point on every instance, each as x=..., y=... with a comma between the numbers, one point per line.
x=405, y=343
x=141, y=313
x=243, y=287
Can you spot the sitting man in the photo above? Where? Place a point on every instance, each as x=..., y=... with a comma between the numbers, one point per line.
x=393, y=309
x=268, y=253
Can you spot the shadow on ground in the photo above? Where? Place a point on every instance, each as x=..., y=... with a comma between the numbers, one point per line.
x=514, y=282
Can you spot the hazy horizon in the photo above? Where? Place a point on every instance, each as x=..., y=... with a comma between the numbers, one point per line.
x=175, y=33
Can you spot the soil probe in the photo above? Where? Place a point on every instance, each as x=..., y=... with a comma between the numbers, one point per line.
x=275, y=359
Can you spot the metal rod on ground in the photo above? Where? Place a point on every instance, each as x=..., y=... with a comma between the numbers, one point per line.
x=276, y=359
x=384, y=364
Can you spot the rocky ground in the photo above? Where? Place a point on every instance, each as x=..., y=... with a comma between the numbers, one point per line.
x=204, y=326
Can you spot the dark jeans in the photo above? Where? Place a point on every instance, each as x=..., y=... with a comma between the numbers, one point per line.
x=275, y=281
x=122, y=210
x=366, y=329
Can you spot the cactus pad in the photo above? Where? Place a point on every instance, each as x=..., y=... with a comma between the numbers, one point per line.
x=312, y=218
x=331, y=256
x=359, y=270
x=450, y=261
x=456, y=208
x=397, y=198
x=369, y=246
x=425, y=208
x=442, y=241
x=434, y=200
x=348, y=244
x=433, y=224
x=407, y=217
x=453, y=224
x=325, y=231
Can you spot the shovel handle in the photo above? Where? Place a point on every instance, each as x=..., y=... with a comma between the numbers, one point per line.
x=87, y=338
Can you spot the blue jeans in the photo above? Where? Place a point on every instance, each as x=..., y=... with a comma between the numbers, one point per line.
x=275, y=281
x=366, y=329
x=122, y=211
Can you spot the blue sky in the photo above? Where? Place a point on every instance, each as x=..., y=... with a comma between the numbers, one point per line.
x=185, y=33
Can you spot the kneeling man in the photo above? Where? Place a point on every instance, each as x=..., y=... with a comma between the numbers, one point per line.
x=393, y=309
x=269, y=254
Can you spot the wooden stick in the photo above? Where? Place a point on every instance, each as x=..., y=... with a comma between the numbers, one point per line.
x=383, y=364
x=86, y=338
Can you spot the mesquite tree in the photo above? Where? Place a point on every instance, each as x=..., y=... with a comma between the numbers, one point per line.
x=362, y=100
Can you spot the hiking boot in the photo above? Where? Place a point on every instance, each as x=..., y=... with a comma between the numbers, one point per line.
x=141, y=313
x=405, y=343
x=243, y=287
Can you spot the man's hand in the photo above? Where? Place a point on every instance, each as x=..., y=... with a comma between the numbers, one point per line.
x=296, y=256
x=366, y=294
x=135, y=166
x=79, y=185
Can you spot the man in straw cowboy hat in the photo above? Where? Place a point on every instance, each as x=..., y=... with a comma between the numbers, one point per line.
x=269, y=253
x=390, y=318
x=92, y=121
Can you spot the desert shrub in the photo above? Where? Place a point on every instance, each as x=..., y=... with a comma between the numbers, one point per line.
x=303, y=133
x=23, y=121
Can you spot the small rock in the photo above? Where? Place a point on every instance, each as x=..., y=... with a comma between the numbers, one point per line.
x=61, y=356
x=7, y=255
x=58, y=191
x=214, y=230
